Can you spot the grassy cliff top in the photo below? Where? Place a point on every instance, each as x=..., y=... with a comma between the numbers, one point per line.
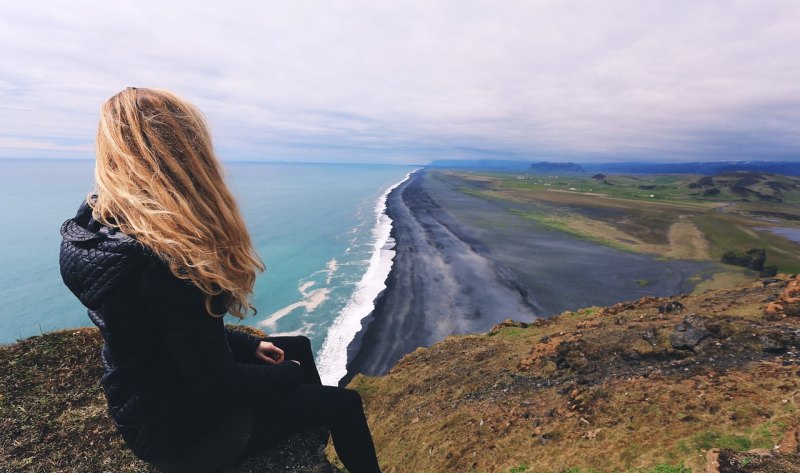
x=53, y=414
x=649, y=386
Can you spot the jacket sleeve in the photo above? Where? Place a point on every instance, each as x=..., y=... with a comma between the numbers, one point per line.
x=199, y=346
x=242, y=345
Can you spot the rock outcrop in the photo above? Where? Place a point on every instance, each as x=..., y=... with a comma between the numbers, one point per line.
x=753, y=258
x=787, y=303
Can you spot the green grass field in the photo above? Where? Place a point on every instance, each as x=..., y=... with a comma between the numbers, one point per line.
x=639, y=213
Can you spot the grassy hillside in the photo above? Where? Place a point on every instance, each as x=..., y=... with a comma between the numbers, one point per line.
x=732, y=186
x=646, y=386
x=650, y=386
x=53, y=415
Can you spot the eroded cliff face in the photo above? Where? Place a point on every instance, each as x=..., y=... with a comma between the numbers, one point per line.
x=658, y=381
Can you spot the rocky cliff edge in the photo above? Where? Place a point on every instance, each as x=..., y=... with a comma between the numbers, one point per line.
x=692, y=383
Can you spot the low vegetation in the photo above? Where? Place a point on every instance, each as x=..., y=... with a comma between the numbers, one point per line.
x=53, y=415
x=650, y=386
x=645, y=386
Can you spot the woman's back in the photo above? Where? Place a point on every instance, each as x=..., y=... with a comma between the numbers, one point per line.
x=151, y=400
x=159, y=254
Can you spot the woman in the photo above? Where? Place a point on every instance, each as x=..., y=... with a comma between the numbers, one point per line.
x=158, y=254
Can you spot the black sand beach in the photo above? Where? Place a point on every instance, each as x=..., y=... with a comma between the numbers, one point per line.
x=464, y=264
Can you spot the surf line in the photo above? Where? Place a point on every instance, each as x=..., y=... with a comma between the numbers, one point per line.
x=332, y=357
x=311, y=300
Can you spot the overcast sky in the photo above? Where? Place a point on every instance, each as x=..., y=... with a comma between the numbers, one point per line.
x=409, y=81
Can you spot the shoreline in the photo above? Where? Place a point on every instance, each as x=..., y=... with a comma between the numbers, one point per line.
x=356, y=346
x=333, y=355
x=463, y=264
x=440, y=284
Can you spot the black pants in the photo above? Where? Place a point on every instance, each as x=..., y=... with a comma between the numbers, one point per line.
x=312, y=405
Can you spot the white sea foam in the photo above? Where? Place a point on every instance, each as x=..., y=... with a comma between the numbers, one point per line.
x=306, y=329
x=332, y=358
x=304, y=287
x=330, y=269
x=311, y=300
x=293, y=333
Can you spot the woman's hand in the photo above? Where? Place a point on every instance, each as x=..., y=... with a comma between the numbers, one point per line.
x=269, y=353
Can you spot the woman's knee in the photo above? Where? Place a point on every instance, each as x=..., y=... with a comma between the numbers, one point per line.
x=304, y=341
x=298, y=342
x=352, y=399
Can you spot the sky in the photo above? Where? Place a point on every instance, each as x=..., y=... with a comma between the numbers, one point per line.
x=411, y=81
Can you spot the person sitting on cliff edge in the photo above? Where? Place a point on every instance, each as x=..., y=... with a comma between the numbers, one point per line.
x=159, y=253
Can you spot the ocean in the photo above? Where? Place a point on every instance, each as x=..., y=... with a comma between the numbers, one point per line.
x=320, y=229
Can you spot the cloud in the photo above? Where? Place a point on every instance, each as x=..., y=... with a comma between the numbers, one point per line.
x=410, y=81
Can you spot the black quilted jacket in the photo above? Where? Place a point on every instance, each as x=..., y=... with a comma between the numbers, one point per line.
x=171, y=370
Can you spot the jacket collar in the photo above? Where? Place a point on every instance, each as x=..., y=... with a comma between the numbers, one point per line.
x=95, y=258
x=83, y=227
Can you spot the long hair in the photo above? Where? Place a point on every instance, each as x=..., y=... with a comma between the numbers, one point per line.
x=159, y=181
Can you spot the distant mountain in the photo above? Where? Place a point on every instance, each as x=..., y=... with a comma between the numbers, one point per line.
x=546, y=167
x=748, y=185
x=788, y=168
x=496, y=164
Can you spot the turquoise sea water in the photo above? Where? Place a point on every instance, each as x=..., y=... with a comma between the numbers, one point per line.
x=316, y=226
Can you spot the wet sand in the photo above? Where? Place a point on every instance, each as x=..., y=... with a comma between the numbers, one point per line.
x=463, y=264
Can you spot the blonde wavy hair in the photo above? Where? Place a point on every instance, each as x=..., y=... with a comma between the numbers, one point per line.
x=158, y=180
